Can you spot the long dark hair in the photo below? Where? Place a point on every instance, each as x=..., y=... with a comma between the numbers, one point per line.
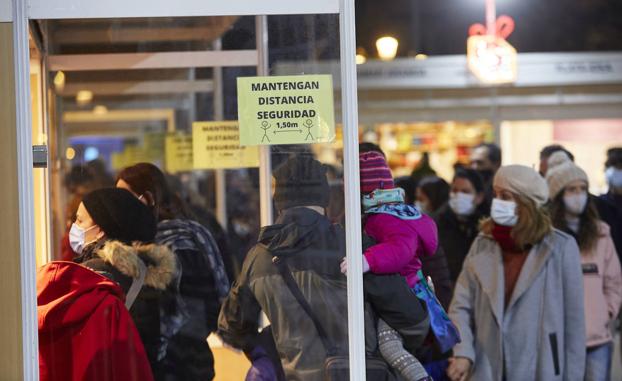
x=589, y=231
x=436, y=189
x=146, y=178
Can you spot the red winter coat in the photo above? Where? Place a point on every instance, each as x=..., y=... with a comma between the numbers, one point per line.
x=85, y=331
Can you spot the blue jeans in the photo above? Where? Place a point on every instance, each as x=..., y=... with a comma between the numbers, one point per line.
x=598, y=363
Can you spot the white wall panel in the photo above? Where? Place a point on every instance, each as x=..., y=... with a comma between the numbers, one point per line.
x=68, y=9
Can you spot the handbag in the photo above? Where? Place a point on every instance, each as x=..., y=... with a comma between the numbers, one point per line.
x=445, y=333
x=336, y=366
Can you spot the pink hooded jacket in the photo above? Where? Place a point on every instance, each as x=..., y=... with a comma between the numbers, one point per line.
x=602, y=284
x=400, y=244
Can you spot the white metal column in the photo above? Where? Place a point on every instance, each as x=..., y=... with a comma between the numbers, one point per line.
x=356, y=318
x=265, y=160
x=219, y=112
x=26, y=192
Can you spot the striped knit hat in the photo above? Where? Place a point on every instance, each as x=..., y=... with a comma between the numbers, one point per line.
x=375, y=173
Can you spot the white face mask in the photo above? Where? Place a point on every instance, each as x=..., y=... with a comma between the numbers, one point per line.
x=77, y=237
x=503, y=212
x=463, y=204
x=575, y=204
x=614, y=177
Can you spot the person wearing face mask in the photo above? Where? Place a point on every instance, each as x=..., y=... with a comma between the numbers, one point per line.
x=203, y=283
x=574, y=212
x=458, y=219
x=518, y=302
x=432, y=193
x=610, y=204
x=113, y=235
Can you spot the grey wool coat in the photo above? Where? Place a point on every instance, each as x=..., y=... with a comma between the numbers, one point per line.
x=540, y=336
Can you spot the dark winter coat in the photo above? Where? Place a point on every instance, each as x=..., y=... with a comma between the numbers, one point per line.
x=456, y=237
x=610, y=210
x=313, y=249
x=203, y=285
x=120, y=263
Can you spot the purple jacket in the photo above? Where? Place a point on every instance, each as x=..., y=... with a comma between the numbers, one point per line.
x=400, y=244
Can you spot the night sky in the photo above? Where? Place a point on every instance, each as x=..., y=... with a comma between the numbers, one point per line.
x=436, y=27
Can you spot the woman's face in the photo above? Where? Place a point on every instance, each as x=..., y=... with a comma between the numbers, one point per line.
x=123, y=185
x=84, y=220
x=576, y=187
x=462, y=185
x=504, y=194
x=423, y=200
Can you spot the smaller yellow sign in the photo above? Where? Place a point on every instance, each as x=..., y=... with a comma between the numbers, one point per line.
x=216, y=145
x=178, y=153
x=130, y=155
x=154, y=145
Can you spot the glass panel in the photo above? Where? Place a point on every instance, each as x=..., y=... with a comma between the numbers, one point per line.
x=104, y=122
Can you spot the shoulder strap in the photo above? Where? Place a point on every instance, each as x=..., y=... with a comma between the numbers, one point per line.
x=137, y=284
x=295, y=290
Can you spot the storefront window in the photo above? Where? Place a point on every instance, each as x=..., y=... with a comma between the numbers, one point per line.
x=167, y=91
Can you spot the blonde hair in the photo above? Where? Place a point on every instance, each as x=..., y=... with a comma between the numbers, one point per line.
x=533, y=223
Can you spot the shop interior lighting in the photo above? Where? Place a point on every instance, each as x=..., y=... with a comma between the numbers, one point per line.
x=91, y=153
x=84, y=97
x=387, y=47
x=70, y=153
x=100, y=110
x=59, y=81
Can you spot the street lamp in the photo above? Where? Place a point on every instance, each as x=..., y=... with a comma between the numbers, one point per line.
x=387, y=47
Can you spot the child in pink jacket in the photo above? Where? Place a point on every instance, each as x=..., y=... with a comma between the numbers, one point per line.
x=403, y=235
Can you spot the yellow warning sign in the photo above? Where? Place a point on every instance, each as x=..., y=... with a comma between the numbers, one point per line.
x=217, y=145
x=178, y=149
x=295, y=109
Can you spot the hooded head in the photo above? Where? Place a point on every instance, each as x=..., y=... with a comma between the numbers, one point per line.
x=301, y=181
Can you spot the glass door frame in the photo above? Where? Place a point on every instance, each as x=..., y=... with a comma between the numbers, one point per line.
x=22, y=11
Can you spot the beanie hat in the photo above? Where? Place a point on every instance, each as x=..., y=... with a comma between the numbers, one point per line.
x=301, y=181
x=562, y=171
x=523, y=181
x=375, y=173
x=121, y=215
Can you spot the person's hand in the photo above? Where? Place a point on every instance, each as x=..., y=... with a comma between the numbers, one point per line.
x=344, y=266
x=459, y=368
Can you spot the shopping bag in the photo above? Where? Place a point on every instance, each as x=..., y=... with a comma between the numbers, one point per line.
x=444, y=331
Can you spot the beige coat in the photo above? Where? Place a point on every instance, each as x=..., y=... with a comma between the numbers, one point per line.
x=602, y=282
x=540, y=336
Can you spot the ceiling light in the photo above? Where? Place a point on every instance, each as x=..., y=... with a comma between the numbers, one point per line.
x=84, y=97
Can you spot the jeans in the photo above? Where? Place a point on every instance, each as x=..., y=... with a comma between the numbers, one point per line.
x=598, y=363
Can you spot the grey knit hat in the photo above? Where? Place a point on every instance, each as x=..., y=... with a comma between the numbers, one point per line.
x=562, y=171
x=523, y=181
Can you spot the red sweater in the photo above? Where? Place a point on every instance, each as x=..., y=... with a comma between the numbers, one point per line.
x=85, y=331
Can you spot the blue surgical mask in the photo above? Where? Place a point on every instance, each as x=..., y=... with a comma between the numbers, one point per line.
x=614, y=177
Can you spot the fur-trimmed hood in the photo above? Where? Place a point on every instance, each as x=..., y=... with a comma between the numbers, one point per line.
x=160, y=261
